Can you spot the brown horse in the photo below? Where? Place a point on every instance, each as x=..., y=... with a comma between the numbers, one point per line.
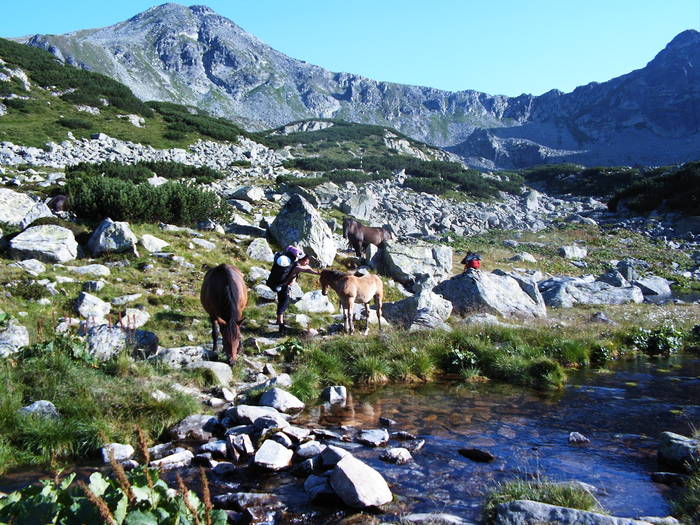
x=352, y=289
x=224, y=296
x=361, y=236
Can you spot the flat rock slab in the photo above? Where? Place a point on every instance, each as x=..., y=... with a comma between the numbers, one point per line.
x=180, y=459
x=47, y=243
x=120, y=451
x=525, y=512
x=12, y=338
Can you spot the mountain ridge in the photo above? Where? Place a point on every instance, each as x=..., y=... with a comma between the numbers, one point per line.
x=194, y=56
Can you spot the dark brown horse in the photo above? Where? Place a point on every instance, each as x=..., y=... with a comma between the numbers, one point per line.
x=352, y=289
x=224, y=296
x=361, y=236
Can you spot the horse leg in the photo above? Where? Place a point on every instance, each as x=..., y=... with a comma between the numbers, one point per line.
x=214, y=325
x=357, y=246
x=378, y=302
x=349, y=313
x=367, y=312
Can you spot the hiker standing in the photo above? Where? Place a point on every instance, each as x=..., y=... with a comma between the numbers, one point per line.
x=286, y=267
x=472, y=261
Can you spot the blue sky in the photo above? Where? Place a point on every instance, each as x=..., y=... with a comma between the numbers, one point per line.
x=497, y=46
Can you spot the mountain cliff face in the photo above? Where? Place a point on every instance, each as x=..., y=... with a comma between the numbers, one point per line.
x=193, y=56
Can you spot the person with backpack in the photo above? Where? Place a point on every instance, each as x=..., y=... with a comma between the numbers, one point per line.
x=286, y=267
x=472, y=261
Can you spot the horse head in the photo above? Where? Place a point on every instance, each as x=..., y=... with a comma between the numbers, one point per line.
x=323, y=279
x=348, y=223
x=233, y=339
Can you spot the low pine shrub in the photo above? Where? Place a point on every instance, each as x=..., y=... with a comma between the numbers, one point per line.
x=94, y=198
x=662, y=341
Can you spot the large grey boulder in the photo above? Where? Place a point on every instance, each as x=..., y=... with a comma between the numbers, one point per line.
x=482, y=292
x=358, y=484
x=93, y=270
x=112, y=237
x=47, y=243
x=525, y=512
x=260, y=250
x=12, y=338
x=327, y=193
x=249, y=414
x=299, y=223
x=565, y=292
x=281, y=400
x=19, y=209
x=414, y=262
x=528, y=284
x=678, y=451
x=105, y=342
x=361, y=205
x=654, y=288
x=315, y=302
x=424, y=310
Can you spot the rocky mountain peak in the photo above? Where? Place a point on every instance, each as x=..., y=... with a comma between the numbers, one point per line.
x=685, y=38
x=194, y=56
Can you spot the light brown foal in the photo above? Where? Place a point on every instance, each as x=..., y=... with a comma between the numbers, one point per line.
x=352, y=289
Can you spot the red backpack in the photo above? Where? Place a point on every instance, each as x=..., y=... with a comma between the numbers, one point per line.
x=474, y=264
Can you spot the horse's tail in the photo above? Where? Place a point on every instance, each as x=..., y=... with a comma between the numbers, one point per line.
x=232, y=321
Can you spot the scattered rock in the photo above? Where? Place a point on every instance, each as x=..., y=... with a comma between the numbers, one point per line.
x=335, y=394
x=41, y=408
x=31, y=266
x=182, y=458
x=121, y=452
x=19, y=209
x=47, y=243
x=424, y=310
x=678, y=451
x=376, y=437
x=654, y=288
x=573, y=252
x=96, y=270
x=153, y=244
x=112, y=237
x=273, y=456
x=398, y=455
x=105, y=342
x=89, y=306
x=358, y=484
x=260, y=250
x=281, y=400
x=565, y=292
x=481, y=456
x=315, y=302
x=578, y=438
x=221, y=371
x=415, y=262
x=12, y=338
x=197, y=427
x=204, y=244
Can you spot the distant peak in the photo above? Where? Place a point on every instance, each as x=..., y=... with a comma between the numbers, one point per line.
x=202, y=10
x=685, y=38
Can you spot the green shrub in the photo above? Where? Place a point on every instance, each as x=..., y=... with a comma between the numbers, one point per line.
x=676, y=189
x=18, y=104
x=139, y=496
x=46, y=70
x=665, y=340
x=74, y=123
x=29, y=290
x=183, y=120
x=687, y=506
x=94, y=198
x=143, y=170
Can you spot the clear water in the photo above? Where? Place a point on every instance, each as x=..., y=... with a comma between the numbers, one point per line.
x=621, y=412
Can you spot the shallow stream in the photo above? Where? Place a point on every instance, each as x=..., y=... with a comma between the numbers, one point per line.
x=621, y=412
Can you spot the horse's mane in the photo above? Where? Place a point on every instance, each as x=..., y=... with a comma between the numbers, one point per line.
x=335, y=274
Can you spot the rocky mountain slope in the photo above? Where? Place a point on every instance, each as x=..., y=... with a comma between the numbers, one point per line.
x=192, y=55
